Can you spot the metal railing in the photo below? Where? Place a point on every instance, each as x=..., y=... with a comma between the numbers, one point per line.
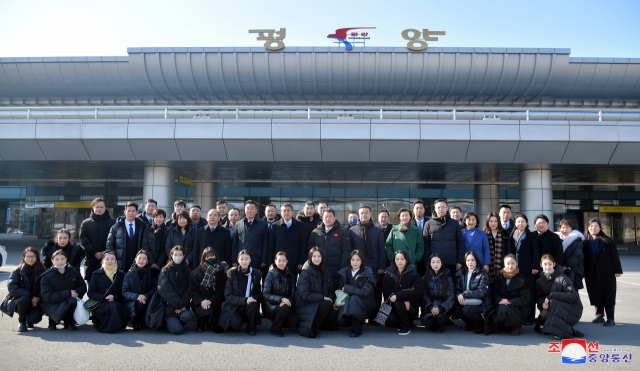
x=320, y=112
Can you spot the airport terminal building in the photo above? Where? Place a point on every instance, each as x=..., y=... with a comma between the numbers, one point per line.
x=535, y=128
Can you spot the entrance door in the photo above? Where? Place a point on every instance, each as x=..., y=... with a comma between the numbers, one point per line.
x=44, y=228
x=630, y=228
x=52, y=220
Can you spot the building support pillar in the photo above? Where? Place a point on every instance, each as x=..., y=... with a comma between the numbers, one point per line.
x=536, y=193
x=487, y=200
x=159, y=184
x=205, y=196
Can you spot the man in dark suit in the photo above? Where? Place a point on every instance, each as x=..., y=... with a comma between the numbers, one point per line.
x=223, y=209
x=288, y=235
x=212, y=235
x=252, y=234
x=383, y=223
x=505, y=219
x=420, y=221
x=128, y=236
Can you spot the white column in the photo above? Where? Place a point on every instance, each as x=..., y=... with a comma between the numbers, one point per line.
x=536, y=194
x=205, y=196
x=487, y=200
x=159, y=184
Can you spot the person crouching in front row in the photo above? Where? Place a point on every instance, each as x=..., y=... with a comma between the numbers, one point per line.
x=206, y=289
x=173, y=288
x=60, y=286
x=243, y=296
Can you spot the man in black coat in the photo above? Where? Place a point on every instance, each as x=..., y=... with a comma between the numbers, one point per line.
x=271, y=215
x=288, y=235
x=178, y=207
x=419, y=218
x=548, y=242
x=93, y=235
x=215, y=236
x=128, y=236
x=505, y=219
x=443, y=236
x=195, y=213
x=333, y=242
x=383, y=223
x=310, y=218
x=223, y=209
x=147, y=215
x=252, y=234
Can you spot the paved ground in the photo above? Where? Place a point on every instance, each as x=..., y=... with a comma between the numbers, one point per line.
x=379, y=348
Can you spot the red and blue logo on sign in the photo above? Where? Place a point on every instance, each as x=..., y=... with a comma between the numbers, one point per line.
x=341, y=35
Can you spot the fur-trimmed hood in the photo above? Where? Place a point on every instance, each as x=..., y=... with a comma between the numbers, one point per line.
x=572, y=237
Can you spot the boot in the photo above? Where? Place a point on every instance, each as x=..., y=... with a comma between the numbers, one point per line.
x=52, y=325
x=22, y=326
x=516, y=330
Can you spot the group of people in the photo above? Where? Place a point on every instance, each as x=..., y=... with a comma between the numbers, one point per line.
x=311, y=273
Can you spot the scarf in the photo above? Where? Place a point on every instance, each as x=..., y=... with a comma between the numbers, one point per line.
x=363, y=229
x=244, y=281
x=111, y=272
x=519, y=237
x=509, y=275
x=209, y=279
x=495, y=250
x=404, y=227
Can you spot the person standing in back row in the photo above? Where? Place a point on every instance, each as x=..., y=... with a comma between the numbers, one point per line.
x=94, y=232
x=443, y=236
x=252, y=234
x=128, y=236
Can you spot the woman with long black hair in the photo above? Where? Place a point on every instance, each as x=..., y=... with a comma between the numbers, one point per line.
x=63, y=241
x=106, y=287
x=438, y=295
x=140, y=283
x=402, y=288
x=206, y=289
x=278, y=295
x=358, y=281
x=24, y=287
x=243, y=294
x=173, y=288
x=314, y=295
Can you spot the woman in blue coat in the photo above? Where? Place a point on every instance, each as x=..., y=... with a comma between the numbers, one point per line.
x=476, y=240
x=140, y=283
x=106, y=287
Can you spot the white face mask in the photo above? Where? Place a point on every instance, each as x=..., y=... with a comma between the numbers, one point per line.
x=60, y=267
x=177, y=259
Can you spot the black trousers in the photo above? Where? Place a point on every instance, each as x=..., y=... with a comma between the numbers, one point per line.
x=27, y=312
x=323, y=314
x=400, y=316
x=378, y=297
x=434, y=323
x=471, y=315
x=608, y=309
x=284, y=317
x=533, y=298
x=248, y=314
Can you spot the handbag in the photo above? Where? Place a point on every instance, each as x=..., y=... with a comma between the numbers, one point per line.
x=92, y=304
x=8, y=305
x=341, y=298
x=81, y=314
x=383, y=313
x=155, y=312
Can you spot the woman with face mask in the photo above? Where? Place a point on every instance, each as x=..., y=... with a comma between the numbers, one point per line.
x=510, y=297
x=60, y=285
x=24, y=287
x=106, y=287
x=63, y=241
x=438, y=295
x=358, y=281
x=243, y=294
x=206, y=290
x=140, y=283
x=558, y=301
x=173, y=288
x=277, y=295
x=473, y=301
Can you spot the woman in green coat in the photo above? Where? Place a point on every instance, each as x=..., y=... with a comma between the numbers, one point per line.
x=406, y=237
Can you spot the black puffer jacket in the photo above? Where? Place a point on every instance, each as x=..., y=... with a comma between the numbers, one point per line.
x=175, y=238
x=371, y=242
x=360, y=303
x=236, y=296
x=313, y=286
x=518, y=292
x=93, y=238
x=55, y=290
x=24, y=281
x=173, y=287
x=478, y=286
x=407, y=287
x=334, y=246
x=435, y=293
x=126, y=252
x=277, y=285
x=75, y=254
x=565, y=306
x=443, y=236
x=138, y=281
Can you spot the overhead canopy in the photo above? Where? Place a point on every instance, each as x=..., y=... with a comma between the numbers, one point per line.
x=308, y=76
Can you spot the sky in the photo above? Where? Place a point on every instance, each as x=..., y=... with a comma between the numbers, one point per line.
x=48, y=28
